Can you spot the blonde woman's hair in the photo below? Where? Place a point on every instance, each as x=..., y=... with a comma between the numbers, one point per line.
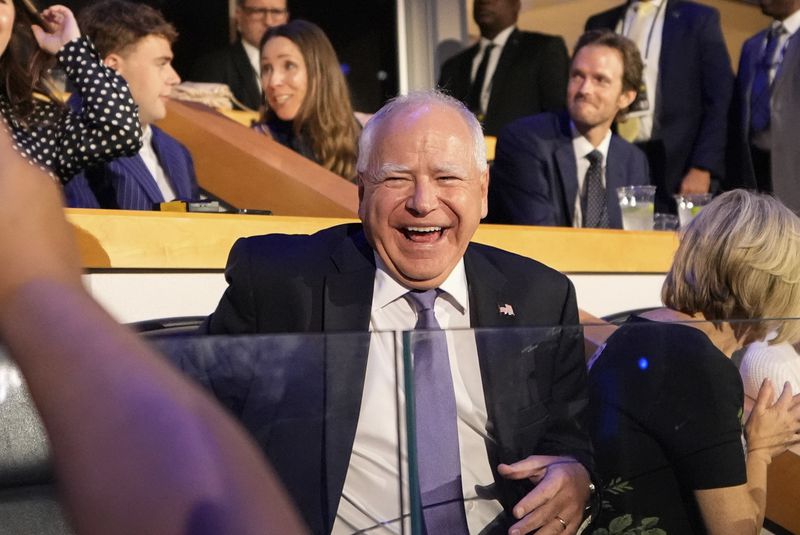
x=739, y=259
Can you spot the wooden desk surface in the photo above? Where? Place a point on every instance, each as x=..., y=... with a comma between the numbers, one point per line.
x=133, y=240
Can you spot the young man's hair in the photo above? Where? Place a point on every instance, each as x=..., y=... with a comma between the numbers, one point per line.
x=114, y=25
x=632, y=66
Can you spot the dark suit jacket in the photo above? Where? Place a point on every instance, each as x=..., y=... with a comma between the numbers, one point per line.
x=230, y=66
x=534, y=178
x=695, y=82
x=784, y=124
x=126, y=183
x=531, y=76
x=323, y=283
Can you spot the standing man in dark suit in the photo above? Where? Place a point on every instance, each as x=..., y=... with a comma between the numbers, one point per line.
x=766, y=109
x=423, y=183
x=564, y=169
x=238, y=64
x=136, y=41
x=508, y=73
x=680, y=118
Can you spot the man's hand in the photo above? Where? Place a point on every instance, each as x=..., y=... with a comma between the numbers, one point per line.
x=696, y=181
x=63, y=28
x=36, y=240
x=555, y=506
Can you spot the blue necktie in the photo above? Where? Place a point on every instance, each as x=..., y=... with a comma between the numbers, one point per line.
x=436, y=428
x=761, y=90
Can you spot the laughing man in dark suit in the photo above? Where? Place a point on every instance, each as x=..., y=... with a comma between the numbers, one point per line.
x=543, y=172
x=423, y=184
x=523, y=72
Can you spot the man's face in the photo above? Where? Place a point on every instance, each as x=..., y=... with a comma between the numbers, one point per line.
x=493, y=16
x=6, y=23
x=779, y=9
x=147, y=67
x=426, y=196
x=255, y=17
x=594, y=92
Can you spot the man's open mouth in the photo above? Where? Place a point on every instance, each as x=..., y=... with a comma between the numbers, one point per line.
x=423, y=234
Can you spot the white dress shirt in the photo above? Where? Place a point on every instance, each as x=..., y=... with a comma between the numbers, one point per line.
x=372, y=488
x=150, y=159
x=650, y=49
x=581, y=147
x=499, y=43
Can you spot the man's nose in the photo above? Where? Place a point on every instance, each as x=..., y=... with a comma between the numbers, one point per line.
x=173, y=77
x=425, y=197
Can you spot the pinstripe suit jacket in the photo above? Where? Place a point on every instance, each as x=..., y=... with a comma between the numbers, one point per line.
x=126, y=183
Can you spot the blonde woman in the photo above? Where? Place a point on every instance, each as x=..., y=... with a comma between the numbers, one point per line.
x=665, y=399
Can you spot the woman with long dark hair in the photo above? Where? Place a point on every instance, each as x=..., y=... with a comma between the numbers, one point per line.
x=308, y=105
x=45, y=130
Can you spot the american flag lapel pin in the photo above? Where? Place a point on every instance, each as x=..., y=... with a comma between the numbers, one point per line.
x=506, y=309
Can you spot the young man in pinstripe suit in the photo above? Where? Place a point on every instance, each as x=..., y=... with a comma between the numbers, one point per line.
x=136, y=41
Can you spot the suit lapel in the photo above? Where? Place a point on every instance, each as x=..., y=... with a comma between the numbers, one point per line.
x=490, y=294
x=171, y=164
x=347, y=305
x=671, y=52
x=504, y=69
x=567, y=168
x=787, y=67
x=615, y=178
x=245, y=70
x=134, y=173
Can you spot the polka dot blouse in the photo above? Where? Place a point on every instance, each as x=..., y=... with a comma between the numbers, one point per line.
x=64, y=142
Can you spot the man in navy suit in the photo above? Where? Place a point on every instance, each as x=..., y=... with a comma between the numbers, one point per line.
x=238, y=65
x=682, y=123
x=766, y=111
x=548, y=168
x=135, y=40
x=423, y=184
x=522, y=72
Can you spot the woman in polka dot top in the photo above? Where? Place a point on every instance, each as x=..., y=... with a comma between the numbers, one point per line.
x=44, y=130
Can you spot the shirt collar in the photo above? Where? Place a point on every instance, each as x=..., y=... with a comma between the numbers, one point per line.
x=388, y=290
x=499, y=40
x=792, y=22
x=583, y=147
x=147, y=135
x=655, y=3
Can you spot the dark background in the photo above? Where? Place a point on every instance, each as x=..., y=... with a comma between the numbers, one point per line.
x=362, y=32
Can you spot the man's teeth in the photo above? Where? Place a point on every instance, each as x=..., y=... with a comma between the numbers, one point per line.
x=424, y=229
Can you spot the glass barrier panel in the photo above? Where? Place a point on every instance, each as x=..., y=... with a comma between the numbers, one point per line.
x=353, y=433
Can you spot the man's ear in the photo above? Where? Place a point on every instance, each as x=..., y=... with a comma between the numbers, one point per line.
x=485, y=178
x=626, y=99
